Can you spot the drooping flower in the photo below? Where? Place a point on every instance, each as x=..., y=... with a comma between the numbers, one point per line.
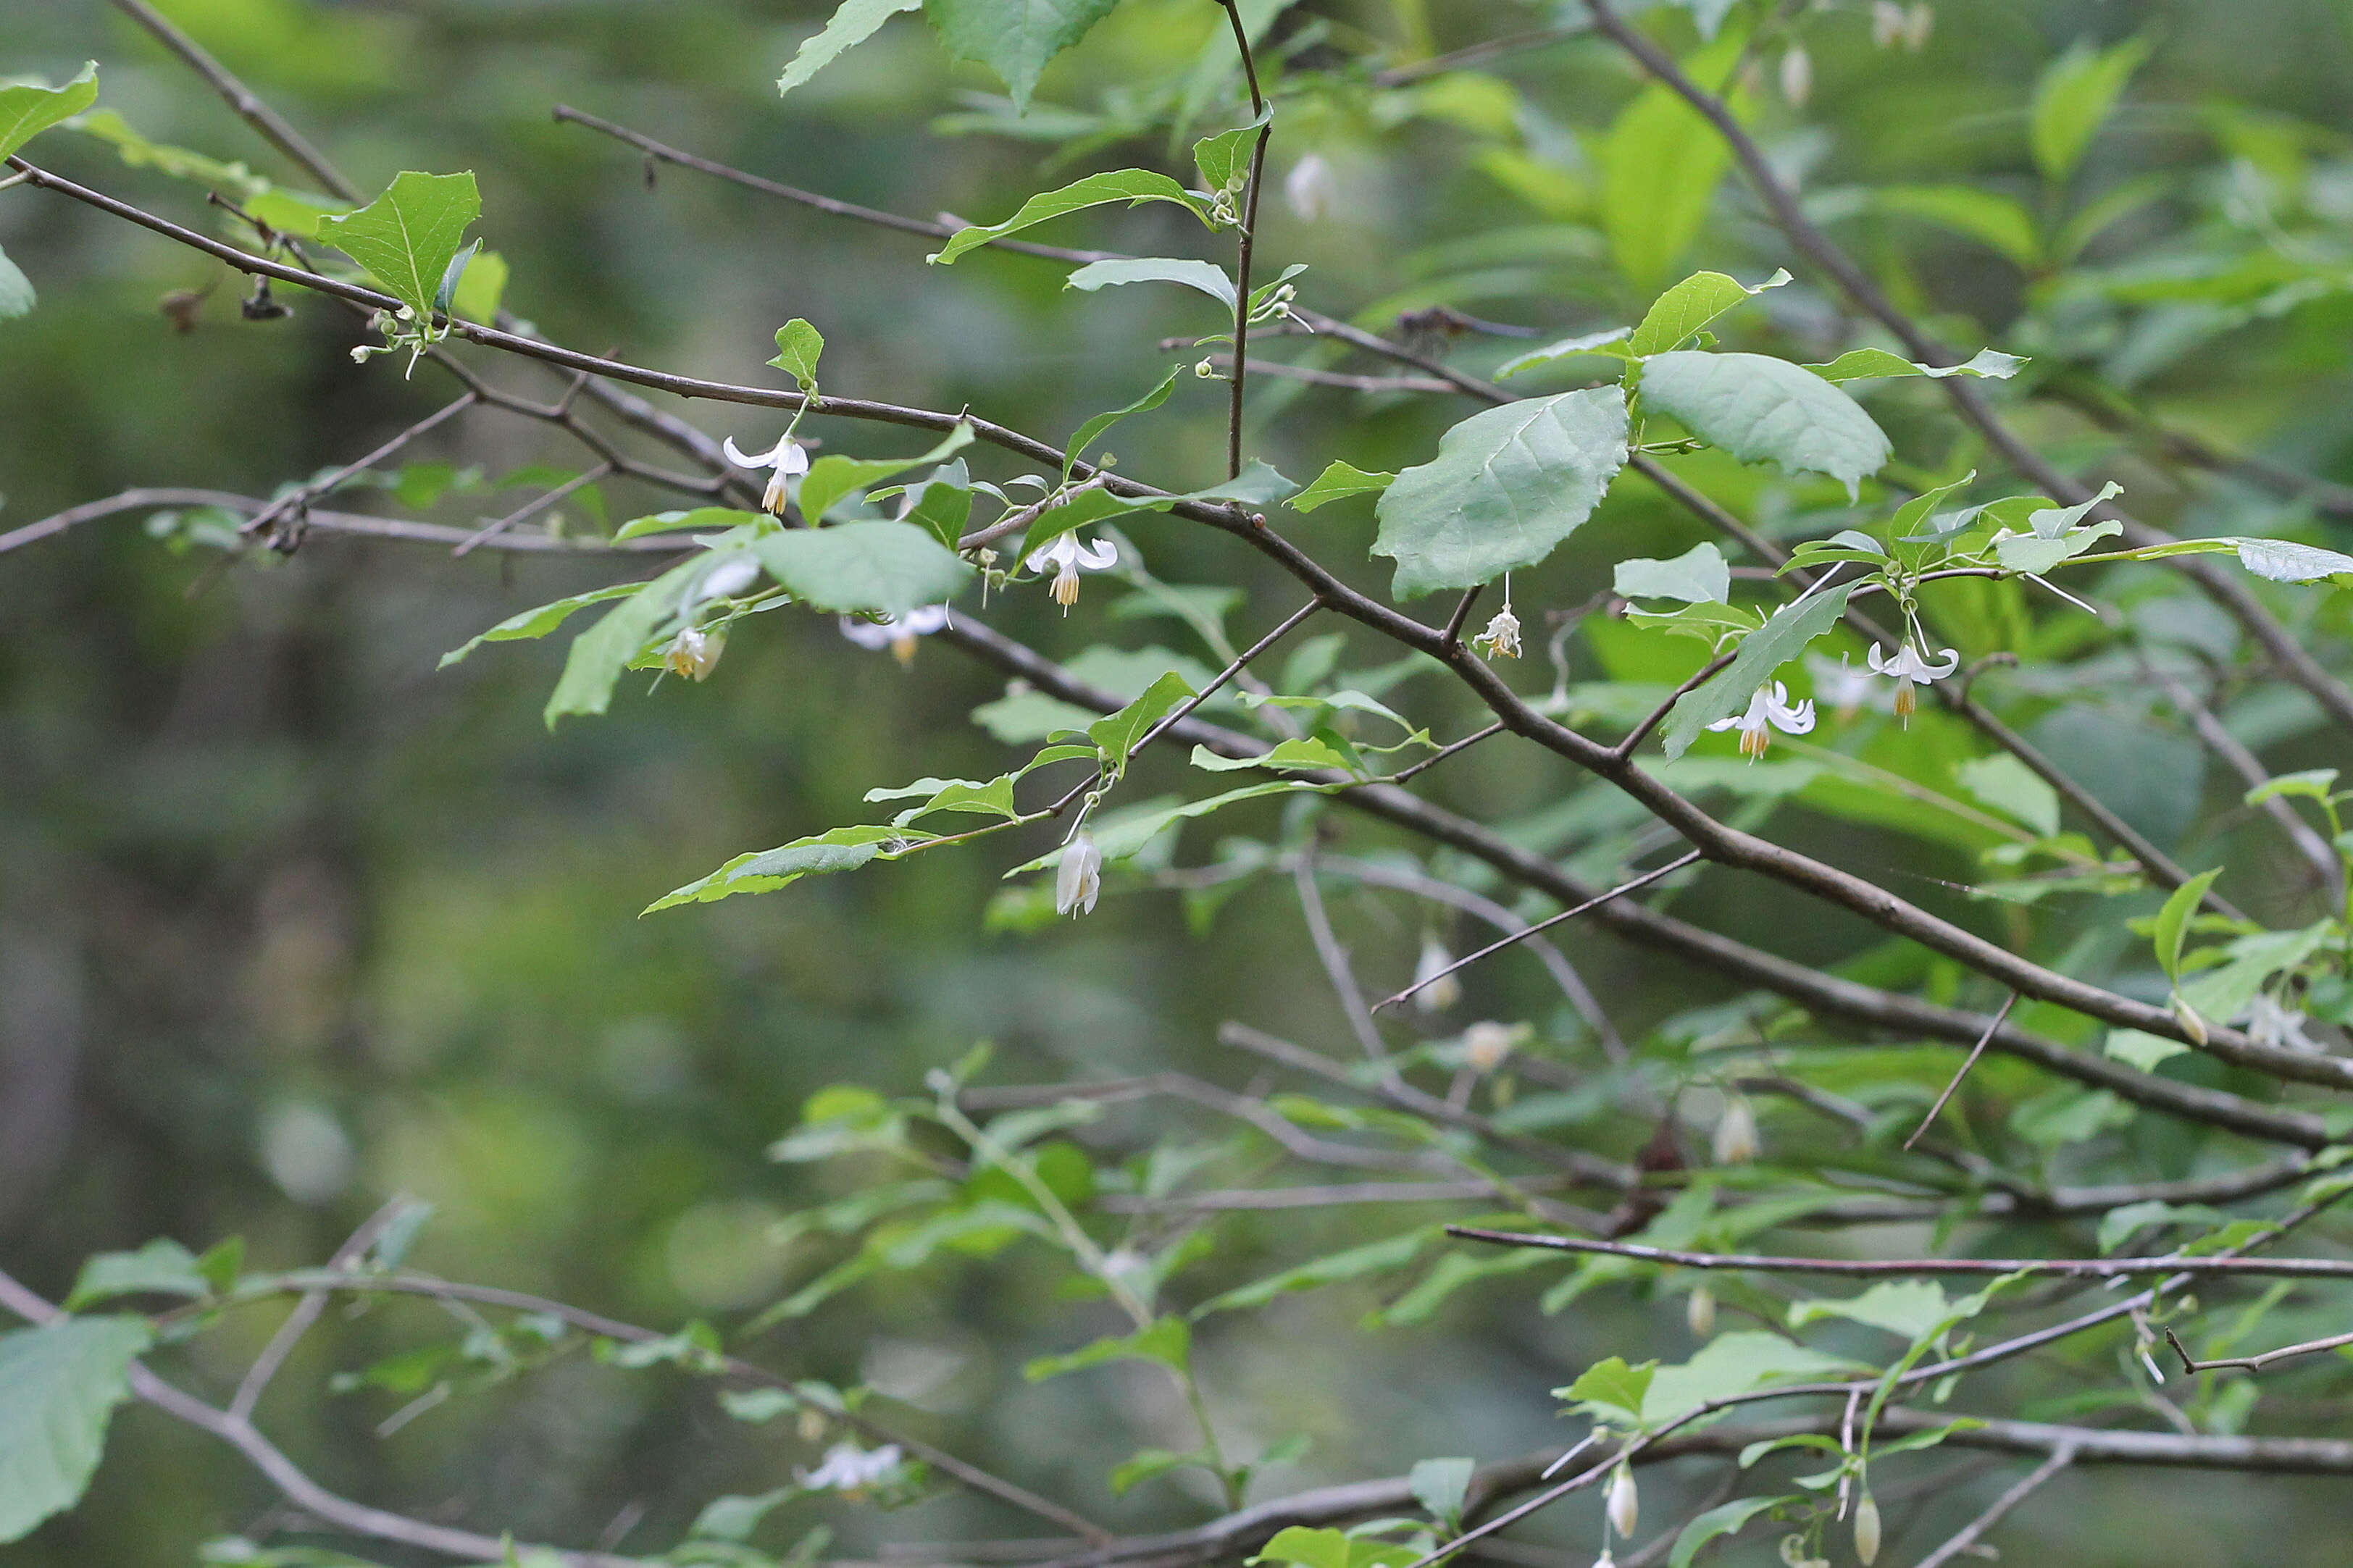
x=1439, y=990
x=694, y=653
x=1625, y=1507
x=1891, y=25
x=2270, y=1022
x=1699, y=1312
x=787, y=457
x=1735, y=1134
x=1770, y=710
x=1502, y=638
x=1487, y=1045
x=850, y=1469
x=1067, y=555
x=896, y=634
x=1796, y=75
x=1840, y=687
x=1908, y=669
x=1078, y=883
x=1310, y=188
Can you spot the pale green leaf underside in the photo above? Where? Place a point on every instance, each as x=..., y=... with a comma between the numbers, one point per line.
x=1860, y=364
x=59, y=1386
x=1506, y=486
x=1129, y=185
x=1015, y=38
x=1206, y=276
x=854, y=23
x=1677, y=315
x=1700, y=575
x=26, y=111
x=766, y=870
x=1758, y=408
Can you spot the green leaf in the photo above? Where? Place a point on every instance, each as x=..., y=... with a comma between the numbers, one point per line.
x=2012, y=788
x=1133, y=186
x=2313, y=784
x=1015, y=38
x=1302, y=751
x=27, y=111
x=1337, y=480
x=1206, y=276
x=1863, y=364
x=162, y=1267
x=1660, y=162
x=1088, y=432
x=942, y=504
x=2074, y=98
x=1332, y=1549
x=2173, y=921
x=1762, y=652
x=58, y=1387
x=1700, y=575
x=855, y=22
x=1126, y=833
x=1507, y=486
x=715, y=519
x=1224, y=159
x=2283, y=561
x=831, y=478
x=1613, y=1386
x=1735, y=1364
x=16, y=296
x=407, y=236
x=1146, y=1464
x=1372, y=1257
x=1440, y=1485
x=2141, y=1050
x=1729, y=1519
x=1758, y=408
x=1609, y=344
x=481, y=288
x=2000, y=223
x=799, y=344
x=842, y=849
x=598, y=655
x=1678, y=315
x=1115, y=734
x=1910, y=1308
x=538, y=623
x=735, y=1516
x=863, y=568
x=1168, y=1341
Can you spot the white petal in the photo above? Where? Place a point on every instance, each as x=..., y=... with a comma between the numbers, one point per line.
x=1879, y=663
x=1795, y=720
x=867, y=634
x=1952, y=658
x=925, y=619
x=743, y=459
x=792, y=457
x=1094, y=557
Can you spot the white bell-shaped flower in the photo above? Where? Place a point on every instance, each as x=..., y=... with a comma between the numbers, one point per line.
x=1770, y=710
x=1067, y=556
x=1310, y=188
x=694, y=653
x=1438, y=989
x=1078, y=883
x=1909, y=669
x=1624, y=1506
x=788, y=457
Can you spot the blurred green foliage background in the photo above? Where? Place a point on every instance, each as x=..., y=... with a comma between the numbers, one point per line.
x=290, y=922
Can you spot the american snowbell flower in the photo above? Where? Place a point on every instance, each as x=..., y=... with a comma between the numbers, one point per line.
x=1840, y=687
x=1699, y=1312
x=1735, y=1134
x=1796, y=75
x=2272, y=1023
x=1310, y=188
x=1770, y=710
x=694, y=653
x=892, y=632
x=1908, y=669
x=788, y=457
x=1067, y=555
x=1891, y=25
x=1486, y=1045
x=849, y=1469
x=1439, y=990
x=1078, y=883
x=1624, y=1506
x=1502, y=638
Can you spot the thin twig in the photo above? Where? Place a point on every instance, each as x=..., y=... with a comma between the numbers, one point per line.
x=306, y=1312
x=1644, y=880
x=1967, y=1062
x=249, y=107
x=530, y=509
x=1969, y=1535
x=2254, y=1363
x=1910, y=1267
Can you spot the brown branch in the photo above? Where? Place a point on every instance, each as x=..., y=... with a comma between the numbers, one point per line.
x=2254, y=1363
x=272, y=126
x=1911, y=1267
x=357, y=524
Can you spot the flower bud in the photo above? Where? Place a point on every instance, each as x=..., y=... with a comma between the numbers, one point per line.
x=1796, y=75
x=1624, y=1507
x=1699, y=1312
x=2193, y=1024
x=1439, y=990
x=1078, y=883
x=1866, y=1531
x=1735, y=1134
